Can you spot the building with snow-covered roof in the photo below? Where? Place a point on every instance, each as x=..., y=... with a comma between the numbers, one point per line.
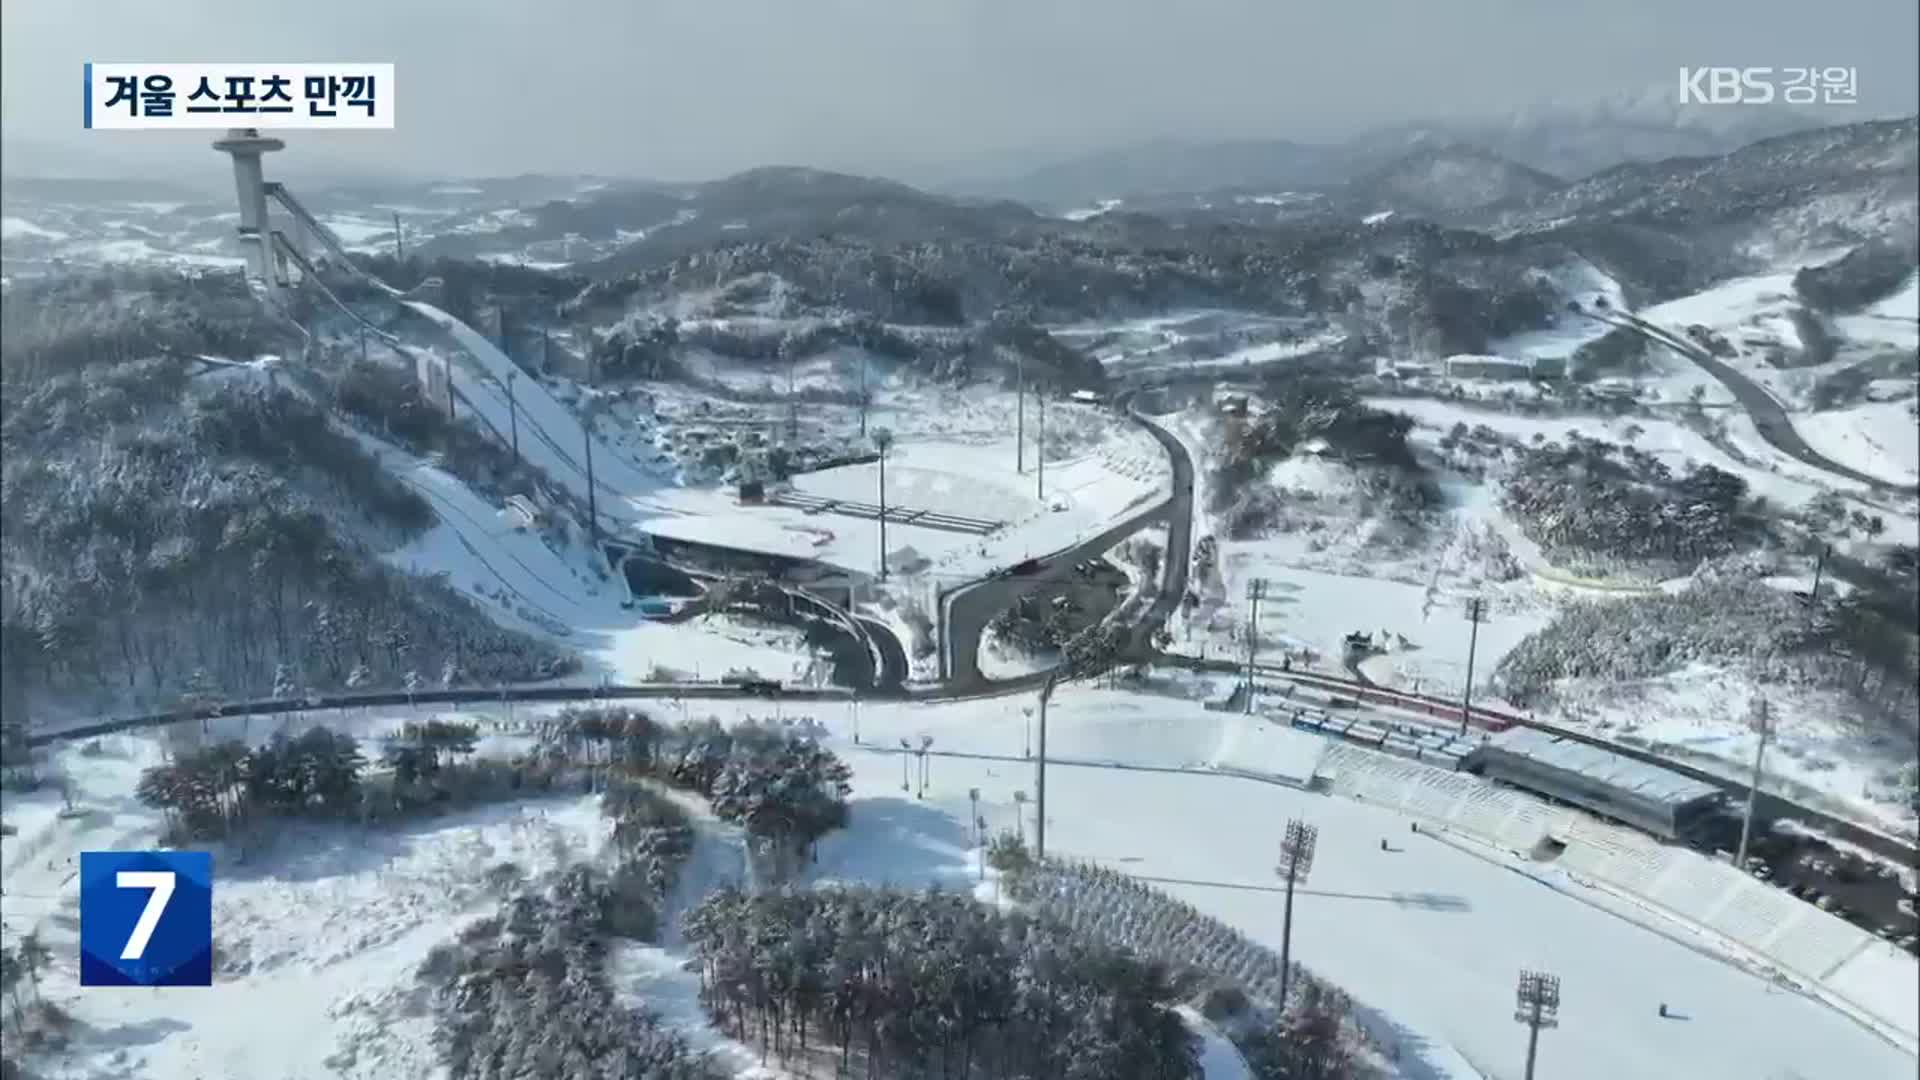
x=1661, y=801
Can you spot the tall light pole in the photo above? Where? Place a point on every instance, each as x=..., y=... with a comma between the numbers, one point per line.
x=513, y=414
x=882, y=441
x=1020, y=816
x=979, y=851
x=1296, y=862
x=1040, y=443
x=1256, y=592
x=1538, y=995
x=1476, y=614
x=593, y=503
x=1762, y=724
x=1040, y=773
x=1026, y=742
x=926, y=744
x=1020, y=412
x=906, y=755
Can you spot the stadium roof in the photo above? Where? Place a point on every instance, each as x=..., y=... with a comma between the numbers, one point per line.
x=1649, y=782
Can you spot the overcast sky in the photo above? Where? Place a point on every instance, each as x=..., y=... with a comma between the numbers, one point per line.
x=681, y=89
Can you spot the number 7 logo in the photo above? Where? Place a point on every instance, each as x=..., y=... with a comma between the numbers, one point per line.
x=146, y=918
x=161, y=882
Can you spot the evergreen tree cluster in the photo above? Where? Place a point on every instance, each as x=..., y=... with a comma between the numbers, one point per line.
x=932, y=984
x=1592, y=499
x=1734, y=619
x=782, y=786
x=206, y=793
x=1315, y=1039
x=524, y=994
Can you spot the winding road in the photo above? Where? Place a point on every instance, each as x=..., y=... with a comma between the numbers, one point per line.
x=966, y=611
x=1770, y=417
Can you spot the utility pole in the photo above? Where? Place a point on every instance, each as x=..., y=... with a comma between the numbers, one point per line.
x=1476, y=614
x=450, y=416
x=979, y=852
x=882, y=440
x=1040, y=774
x=1762, y=723
x=906, y=755
x=1256, y=592
x=1296, y=862
x=1539, y=1007
x=1020, y=412
x=865, y=398
x=1040, y=443
x=926, y=745
x=513, y=416
x=593, y=504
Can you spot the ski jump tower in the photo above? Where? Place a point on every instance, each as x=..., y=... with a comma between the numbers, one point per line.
x=245, y=146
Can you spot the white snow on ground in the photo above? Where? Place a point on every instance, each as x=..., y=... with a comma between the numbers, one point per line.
x=522, y=582
x=1822, y=752
x=551, y=435
x=1878, y=438
x=1109, y=479
x=17, y=228
x=1783, y=481
x=1579, y=281
x=1094, y=211
x=140, y=251
x=360, y=234
x=322, y=933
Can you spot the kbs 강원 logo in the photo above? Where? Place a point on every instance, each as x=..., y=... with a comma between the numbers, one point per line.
x=1765, y=85
x=146, y=918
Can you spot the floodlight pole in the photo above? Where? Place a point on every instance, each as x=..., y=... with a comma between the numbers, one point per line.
x=1040, y=774
x=1256, y=592
x=513, y=416
x=1040, y=444
x=1296, y=861
x=1538, y=997
x=1020, y=414
x=1476, y=614
x=1763, y=724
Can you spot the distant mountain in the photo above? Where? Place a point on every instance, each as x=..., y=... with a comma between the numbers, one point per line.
x=1854, y=181
x=1567, y=141
x=1169, y=167
x=1446, y=178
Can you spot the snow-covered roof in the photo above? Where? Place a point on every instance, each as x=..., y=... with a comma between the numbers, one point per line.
x=1650, y=782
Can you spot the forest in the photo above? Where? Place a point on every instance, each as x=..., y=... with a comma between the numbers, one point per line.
x=932, y=984
x=166, y=529
x=1586, y=501
x=1729, y=617
x=1298, y=411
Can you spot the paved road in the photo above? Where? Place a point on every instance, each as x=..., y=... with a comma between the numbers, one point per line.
x=893, y=656
x=968, y=610
x=1769, y=416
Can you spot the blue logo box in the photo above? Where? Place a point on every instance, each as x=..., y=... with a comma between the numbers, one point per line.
x=146, y=918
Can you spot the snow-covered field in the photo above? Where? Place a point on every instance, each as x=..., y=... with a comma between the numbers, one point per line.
x=321, y=934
